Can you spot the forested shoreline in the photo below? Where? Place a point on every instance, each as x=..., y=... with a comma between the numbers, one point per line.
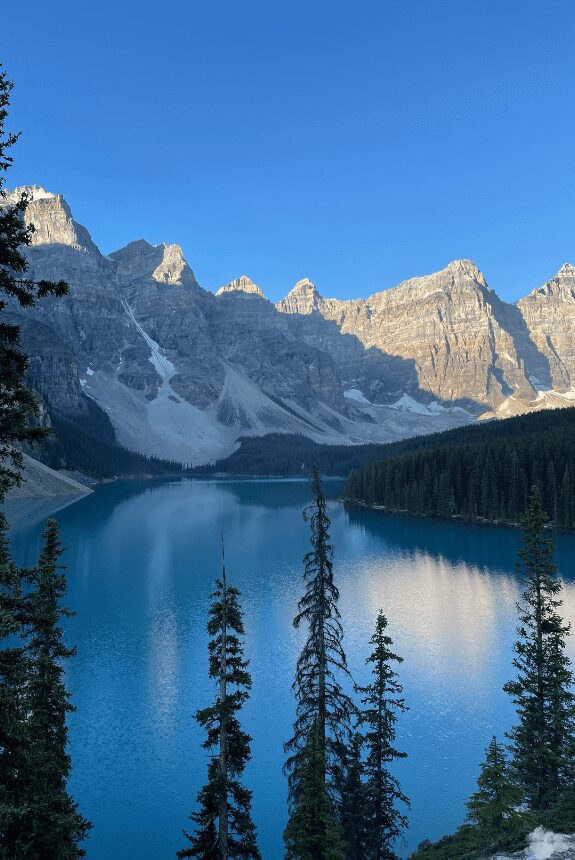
x=480, y=473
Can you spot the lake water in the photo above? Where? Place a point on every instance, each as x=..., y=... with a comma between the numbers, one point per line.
x=141, y=559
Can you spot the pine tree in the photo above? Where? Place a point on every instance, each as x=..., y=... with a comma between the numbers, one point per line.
x=313, y=831
x=382, y=702
x=224, y=826
x=544, y=739
x=354, y=802
x=13, y=673
x=53, y=827
x=323, y=710
x=17, y=404
x=492, y=808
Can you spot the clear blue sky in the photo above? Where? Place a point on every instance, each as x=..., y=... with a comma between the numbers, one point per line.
x=357, y=143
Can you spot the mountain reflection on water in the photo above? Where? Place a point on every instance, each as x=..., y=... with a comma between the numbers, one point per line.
x=141, y=559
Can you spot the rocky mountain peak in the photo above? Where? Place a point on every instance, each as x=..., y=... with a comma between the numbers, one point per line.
x=564, y=280
x=33, y=192
x=561, y=286
x=303, y=298
x=164, y=263
x=172, y=266
x=242, y=284
x=52, y=219
x=461, y=272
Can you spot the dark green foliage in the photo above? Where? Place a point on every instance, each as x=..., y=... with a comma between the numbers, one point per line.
x=313, y=831
x=491, y=809
x=543, y=740
x=354, y=813
x=480, y=472
x=13, y=674
x=493, y=823
x=17, y=405
x=466, y=843
x=561, y=819
x=52, y=827
x=323, y=710
x=382, y=701
x=461, y=845
x=223, y=822
x=292, y=454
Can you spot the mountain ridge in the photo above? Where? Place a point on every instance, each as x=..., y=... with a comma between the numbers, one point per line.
x=183, y=372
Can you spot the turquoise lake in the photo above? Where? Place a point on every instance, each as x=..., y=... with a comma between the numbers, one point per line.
x=141, y=560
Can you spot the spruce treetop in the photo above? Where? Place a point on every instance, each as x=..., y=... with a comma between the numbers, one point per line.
x=322, y=705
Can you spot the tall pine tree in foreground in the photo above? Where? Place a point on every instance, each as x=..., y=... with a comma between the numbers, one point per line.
x=37, y=817
x=316, y=752
x=13, y=674
x=53, y=827
x=491, y=810
x=382, y=701
x=313, y=831
x=224, y=827
x=17, y=404
x=543, y=741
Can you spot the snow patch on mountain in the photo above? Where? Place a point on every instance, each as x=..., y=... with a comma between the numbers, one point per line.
x=355, y=394
x=408, y=404
x=163, y=366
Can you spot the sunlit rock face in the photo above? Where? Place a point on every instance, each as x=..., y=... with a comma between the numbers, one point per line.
x=242, y=284
x=445, y=336
x=549, y=313
x=168, y=359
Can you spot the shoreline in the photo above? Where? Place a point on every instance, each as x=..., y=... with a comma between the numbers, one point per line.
x=454, y=518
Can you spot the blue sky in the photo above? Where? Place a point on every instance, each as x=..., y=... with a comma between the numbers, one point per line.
x=356, y=143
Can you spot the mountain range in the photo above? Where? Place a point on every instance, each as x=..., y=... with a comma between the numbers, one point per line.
x=182, y=372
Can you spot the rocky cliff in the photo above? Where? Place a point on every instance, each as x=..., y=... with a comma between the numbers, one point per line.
x=182, y=372
x=445, y=336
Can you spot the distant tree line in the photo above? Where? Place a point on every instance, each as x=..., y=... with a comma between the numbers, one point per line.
x=292, y=455
x=480, y=475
